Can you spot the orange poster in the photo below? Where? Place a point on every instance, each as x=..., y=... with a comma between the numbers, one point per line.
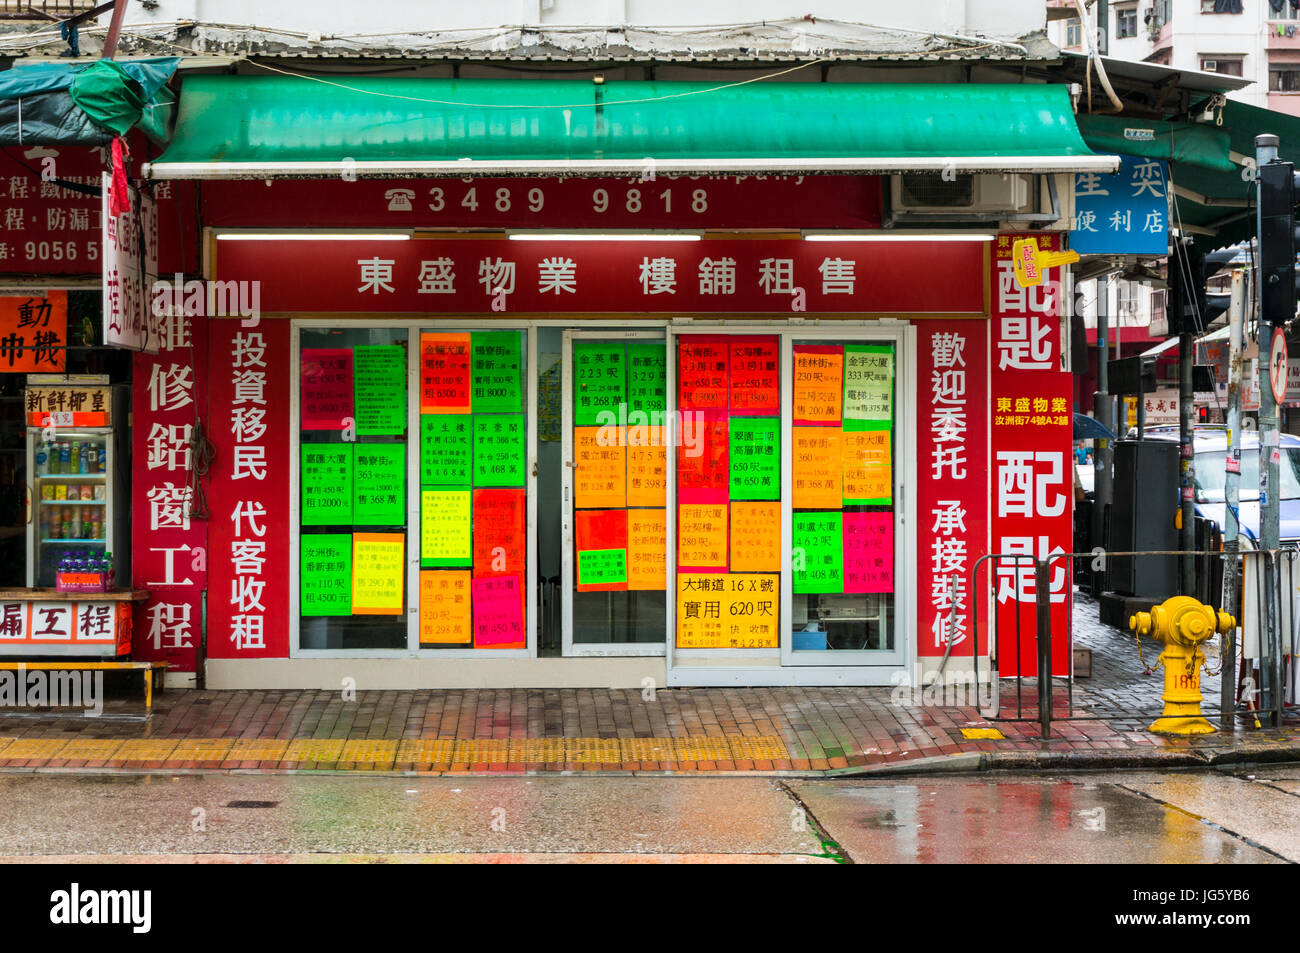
x=702, y=534
x=868, y=474
x=34, y=332
x=647, y=549
x=727, y=611
x=818, y=465
x=755, y=537
x=818, y=383
x=444, y=607
x=647, y=466
x=444, y=372
x=600, y=477
x=378, y=571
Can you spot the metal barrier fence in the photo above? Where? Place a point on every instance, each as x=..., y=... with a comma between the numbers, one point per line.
x=1263, y=586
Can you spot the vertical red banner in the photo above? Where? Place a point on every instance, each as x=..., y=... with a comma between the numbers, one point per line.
x=169, y=547
x=1033, y=488
x=952, y=493
x=248, y=594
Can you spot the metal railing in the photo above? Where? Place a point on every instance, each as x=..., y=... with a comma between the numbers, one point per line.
x=43, y=9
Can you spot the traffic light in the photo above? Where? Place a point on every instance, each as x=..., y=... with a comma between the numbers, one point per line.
x=1190, y=309
x=1277, y=242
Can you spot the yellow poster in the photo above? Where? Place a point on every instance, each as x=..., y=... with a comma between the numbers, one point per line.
x=600, y=475
x=647, y=549
x=377, y=572
x=867, y=471
x=818, y=384
x=755, y=537
x=817, y=464
x=702, y=534
x=446, y=528
x=444, y=607
x=647, y=466
x=727, y=611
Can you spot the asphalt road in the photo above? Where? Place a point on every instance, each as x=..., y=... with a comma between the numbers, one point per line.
x=1142, y=817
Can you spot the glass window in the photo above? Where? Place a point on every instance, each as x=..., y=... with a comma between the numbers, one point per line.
x=1126, y=21
x=728, y=491
x=1073, y=32
x=1223, y=65
x=1284, y=79
x=619, y=490
x=1210, y=476
x=842, y=550
x=352, y=499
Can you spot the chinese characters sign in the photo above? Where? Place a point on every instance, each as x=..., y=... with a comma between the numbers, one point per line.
x=1122, y=214
x=34, y=332
x=130, y=244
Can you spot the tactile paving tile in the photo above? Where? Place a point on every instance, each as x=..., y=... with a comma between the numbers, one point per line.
x=647, y=749
x=91, y=749
x=143, y=749
x=5, y=743
x=318, y=750
x=760, y=748
x=425, y=751
x=702, y=748
x=593, y=750
x=989, y=733
x=536, y=750
x=202, y=749
x=369, y=751
x=33, y=749
x=481, y=751
x=257, y=749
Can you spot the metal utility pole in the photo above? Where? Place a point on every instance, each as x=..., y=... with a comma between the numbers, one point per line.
x=1103, y=408
x=1232, y=496
x=1187, y=472
x=114, y=29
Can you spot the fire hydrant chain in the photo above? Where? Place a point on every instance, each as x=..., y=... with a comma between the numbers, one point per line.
x=1183, y=625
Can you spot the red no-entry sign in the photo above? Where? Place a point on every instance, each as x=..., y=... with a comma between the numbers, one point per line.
x=1277, y=366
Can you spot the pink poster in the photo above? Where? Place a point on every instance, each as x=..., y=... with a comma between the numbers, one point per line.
x=498, y=612
x=326, y=388
x=868, y=552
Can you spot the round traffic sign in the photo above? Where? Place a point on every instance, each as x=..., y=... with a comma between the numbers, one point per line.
x=1277, y=366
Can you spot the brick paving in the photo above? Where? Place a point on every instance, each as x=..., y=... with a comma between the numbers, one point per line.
x=691, y=730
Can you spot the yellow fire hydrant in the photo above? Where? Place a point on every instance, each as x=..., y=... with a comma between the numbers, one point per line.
x=1182, y=624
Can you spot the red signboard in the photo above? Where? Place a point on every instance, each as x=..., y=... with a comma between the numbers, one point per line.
x=776, y=276
x=678, y=201
x=34, y=332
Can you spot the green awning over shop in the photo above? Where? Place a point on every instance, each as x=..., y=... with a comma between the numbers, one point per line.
x=1193, y=144
x=261, y=126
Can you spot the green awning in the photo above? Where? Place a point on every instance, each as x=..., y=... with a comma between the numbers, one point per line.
x=264, y=126
x=1185, y=143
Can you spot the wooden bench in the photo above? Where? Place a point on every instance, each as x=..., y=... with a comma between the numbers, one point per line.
x=151, y=671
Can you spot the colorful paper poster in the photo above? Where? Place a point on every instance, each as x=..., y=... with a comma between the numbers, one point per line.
x=755, y=537
x=868, y=468
x=446, y=530
x=727, y=610
x=817, y=468
x=647, y=549
x=496, y=372
x=647, y=382
x=498, y=612
x=702, y=378
x=326, y=484
x=326, y=387
x=755, y=451
x=869, y=382
x=379, y=389
x=601, y=531
x=379, y=485
x=499, y=449
x=378, y=568
x=702, y=459
x=599, y=478
x=500, y=532
x=755, y=375
x=702, y=535
x=325, y=580
x=818, y=553
x=599, y=382
x=647, y=466
x=868, y=552
x=444, y=372
x=446, y=449
x=445, y=607
x=34, y=327
x=818, y=383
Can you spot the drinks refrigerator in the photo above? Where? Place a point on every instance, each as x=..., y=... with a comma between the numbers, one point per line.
x=79, y=498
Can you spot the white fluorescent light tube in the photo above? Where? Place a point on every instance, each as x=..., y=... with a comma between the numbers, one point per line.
x=898, y=237
x=603, y=237
x=312, y=236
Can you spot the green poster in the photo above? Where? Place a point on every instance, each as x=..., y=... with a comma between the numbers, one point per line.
x=819, y=549
x=326, y=578
x=647, y=386
x=379, y=389
x=755, y=451
x=445, y=448
x=495, y=373
x=599, y=382
x=499, y=441
x=379, y=485
x=326, y=484
x=601, y=566
x=869, y=383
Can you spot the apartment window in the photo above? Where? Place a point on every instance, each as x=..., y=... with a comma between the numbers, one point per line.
x=1073, y=32
x=1126, y=22
x=1221, y=6
x=1284, y=78
x=1284, y=9
x=1224, y=65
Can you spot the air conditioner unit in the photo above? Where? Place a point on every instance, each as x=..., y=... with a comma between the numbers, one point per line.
x=934, y=192
x=1209, y=66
